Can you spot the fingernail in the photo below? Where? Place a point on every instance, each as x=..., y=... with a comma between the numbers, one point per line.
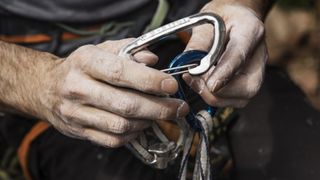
x=183, y=110
x=169, y=86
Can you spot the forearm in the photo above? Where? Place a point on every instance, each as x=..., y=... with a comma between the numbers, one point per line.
x=22, y=72
x=261, y=7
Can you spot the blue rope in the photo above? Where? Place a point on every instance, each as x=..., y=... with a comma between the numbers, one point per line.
x=185, y=58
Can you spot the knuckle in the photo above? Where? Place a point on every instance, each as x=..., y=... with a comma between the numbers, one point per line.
x=85, y=49
x=252, y=90
x=122, y=126
x=260, y=29
x=68, y=113
x=115, y=72
x=165, y=113
x=64, y=110
x=77, y=132
x=73, y=91
x=116, y=142
x=81, y=52
x=149, y=85
x=129, y=108
x=82, y=56
x=73, y=132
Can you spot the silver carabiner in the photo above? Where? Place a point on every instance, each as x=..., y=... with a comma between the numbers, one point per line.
x=180, y=25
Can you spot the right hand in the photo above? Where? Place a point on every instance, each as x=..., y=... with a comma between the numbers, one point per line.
x=96, y=95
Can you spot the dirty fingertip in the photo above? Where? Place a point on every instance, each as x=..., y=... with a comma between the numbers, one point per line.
x=169, y=86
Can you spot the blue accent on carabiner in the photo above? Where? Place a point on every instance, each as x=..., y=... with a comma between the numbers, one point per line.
x=186, y=58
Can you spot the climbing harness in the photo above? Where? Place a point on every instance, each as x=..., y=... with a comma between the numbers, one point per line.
x=153, y=147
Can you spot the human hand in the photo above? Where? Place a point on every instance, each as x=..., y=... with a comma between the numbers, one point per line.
x=96, y=95
x=239, y=72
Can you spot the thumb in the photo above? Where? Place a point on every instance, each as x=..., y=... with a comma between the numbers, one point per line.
x=201, y=39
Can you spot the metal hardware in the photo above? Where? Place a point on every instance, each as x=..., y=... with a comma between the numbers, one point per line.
x=180, y=69
x=180, y=25
x=194, y=62
x=163, y=154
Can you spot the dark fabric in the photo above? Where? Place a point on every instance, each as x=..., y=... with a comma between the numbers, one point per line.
x=83, y=11
x=13, y=128
x=277, y=135
x=71, y=10
x=54, y=156
x=12, y=23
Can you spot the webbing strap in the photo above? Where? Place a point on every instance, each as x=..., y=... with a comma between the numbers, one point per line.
x=159, y=16
x=24, y=147
x=185, y=156
x=202, y=169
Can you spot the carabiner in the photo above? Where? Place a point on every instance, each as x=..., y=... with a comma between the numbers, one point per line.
x=183, y=24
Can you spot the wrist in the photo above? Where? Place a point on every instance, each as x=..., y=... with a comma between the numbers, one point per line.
x=259, y=7
x=23, y=78
x=43, y=89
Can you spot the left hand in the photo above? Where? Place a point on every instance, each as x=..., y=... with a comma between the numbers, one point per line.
x=239, y=73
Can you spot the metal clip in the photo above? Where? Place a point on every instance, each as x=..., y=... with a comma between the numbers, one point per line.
x=163, y=154
x=180, y=25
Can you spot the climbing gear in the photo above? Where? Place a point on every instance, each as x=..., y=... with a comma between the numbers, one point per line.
x=180, y=25
x=160, y=152
x=159, y=16
x=200, y=122
x=24, y=148
x=67, y=32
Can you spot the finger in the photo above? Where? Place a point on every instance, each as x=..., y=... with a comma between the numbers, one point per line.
x=119, y=71
x=126, y=103
x=114, y=46
x=146, y=57
x=69, y=129
x=201, y=38
x=243, y=41
x=199, y=86
x=249, y=79
x=102, y=120
x=108, y=139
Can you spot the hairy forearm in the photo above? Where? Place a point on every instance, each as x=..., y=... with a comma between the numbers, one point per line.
x=22, y=72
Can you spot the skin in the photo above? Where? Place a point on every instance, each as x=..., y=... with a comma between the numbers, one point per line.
x=239, y=73
x=94, y=94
